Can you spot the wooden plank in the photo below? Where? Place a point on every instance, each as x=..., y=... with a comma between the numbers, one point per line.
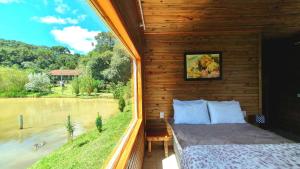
x=163, y=70
x=274, y=18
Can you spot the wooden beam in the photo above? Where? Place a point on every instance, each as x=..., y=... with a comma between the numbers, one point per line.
x=205, y=32
x=259, y=74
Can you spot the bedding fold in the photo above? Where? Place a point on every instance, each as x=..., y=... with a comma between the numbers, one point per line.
x=218, y=134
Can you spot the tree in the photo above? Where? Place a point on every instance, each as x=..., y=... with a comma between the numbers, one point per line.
x=43, y=58
x=67, y=61
x=121, y=104
x=99, y=123
x=70, y=127
x=105, y=41
x=76, y=85
x=87, y=84
x=38, y=82
x=12, y=81
x=60, y=50
x=120, y=67
x=98, y=63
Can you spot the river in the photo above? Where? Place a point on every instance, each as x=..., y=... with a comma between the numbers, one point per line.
x=44, y=124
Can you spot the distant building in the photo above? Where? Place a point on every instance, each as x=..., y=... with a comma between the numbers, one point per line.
x=64, y=75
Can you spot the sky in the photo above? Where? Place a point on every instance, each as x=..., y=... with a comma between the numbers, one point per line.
x=70, y=23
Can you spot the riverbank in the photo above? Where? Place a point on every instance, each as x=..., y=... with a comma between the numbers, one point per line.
x=58, y=92
x=89, y=150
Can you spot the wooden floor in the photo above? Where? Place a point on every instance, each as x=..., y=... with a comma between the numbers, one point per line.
x=157, y=160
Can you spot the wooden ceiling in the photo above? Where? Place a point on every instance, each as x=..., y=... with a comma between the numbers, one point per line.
x=271, y=17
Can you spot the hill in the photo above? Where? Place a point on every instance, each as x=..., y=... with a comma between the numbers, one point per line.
x=26, y=56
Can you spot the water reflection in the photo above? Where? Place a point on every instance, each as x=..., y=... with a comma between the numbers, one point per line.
x=44, y=124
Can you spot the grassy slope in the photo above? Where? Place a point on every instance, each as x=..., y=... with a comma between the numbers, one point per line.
x=89, y=150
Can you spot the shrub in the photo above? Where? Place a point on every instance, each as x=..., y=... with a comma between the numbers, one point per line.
x=87, y=84
x=12, y=81
x=76, y=85
x=101, y=85
x=38, y=82
x=99, y=123
x=121, y=104
x=127, y=91
x=118, y=90
x=70, y=127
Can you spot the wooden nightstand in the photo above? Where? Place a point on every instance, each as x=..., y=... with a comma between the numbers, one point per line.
x=156, y=130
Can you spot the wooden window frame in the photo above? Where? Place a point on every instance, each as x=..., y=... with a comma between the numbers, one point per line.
x=123, y=149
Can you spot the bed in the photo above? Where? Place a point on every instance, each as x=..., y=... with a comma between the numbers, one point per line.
x=232, y=146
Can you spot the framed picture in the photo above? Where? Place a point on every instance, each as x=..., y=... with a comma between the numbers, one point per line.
x=203, y=66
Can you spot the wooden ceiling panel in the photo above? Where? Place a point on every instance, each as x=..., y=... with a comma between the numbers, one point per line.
x=272, y=17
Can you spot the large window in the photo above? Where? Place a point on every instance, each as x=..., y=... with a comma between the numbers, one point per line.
x=68, y=87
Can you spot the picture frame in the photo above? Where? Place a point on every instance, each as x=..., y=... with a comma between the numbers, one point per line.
x=205, y=65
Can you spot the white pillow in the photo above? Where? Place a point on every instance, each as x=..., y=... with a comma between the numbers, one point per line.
x=225, y=112
x=190, y=112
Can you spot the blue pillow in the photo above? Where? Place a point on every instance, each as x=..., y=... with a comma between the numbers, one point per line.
x=225, y=112
x=190, y=112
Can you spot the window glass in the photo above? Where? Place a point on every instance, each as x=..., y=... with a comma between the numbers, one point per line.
x=67, y=86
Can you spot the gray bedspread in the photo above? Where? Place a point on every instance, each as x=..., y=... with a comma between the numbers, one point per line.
x=238, y=146
x=233, y=156
x=216, y=134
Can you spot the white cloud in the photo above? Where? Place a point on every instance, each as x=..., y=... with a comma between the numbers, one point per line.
x=77, y=38
x=57, y=20
x=61, y=7
x=8, y=1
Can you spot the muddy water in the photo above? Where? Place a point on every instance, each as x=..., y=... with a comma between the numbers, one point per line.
x=44, y=124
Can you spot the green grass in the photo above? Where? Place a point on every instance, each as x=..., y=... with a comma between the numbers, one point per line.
x=90, y=150
x=56, y=92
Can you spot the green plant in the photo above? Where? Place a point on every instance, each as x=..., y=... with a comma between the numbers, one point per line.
x=101, y=85
x=118, y=90
x=38, y=82
x=99, y=123
x=76, y=85
x=88, y=84
x=121, y=104
x=12, y=81
x=119, y=69
x=70, y=127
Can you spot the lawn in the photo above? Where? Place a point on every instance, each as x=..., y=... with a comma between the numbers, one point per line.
x=90, y=150
x=57, y=92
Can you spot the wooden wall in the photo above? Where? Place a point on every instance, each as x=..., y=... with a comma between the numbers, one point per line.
x=164, y=67
x=273, y=17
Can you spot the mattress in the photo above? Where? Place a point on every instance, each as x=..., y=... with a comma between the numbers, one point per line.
x=191, y=141
x=218, y=134
x=240, y=156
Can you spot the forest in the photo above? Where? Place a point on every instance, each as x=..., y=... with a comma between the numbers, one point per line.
x=24, y=68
